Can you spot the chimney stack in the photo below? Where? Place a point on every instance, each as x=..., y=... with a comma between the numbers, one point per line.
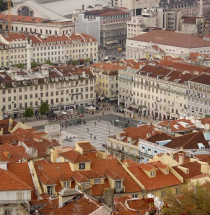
x=109, y=197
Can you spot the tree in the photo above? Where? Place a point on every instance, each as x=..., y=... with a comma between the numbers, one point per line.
x=44, y=108
x=48, y=62
x=3, y=5
x=34, y=64
x=29, y=112
x=20, y=65
x=192, y=200
x=75, y=62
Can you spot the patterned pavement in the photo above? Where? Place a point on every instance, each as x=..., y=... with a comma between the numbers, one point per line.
x=95, y=133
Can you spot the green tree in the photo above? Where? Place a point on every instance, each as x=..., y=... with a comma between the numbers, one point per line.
x=48, y=62
x=3, y=5
x=29, y=112
x=44, y=108
x=20, y=65
x=192, y=200
x=34, y=64
x=75, y=62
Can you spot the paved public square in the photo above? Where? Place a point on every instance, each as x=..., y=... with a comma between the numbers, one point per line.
x=95, y=133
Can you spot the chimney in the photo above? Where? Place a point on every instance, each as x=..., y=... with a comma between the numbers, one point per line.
x=181, y=159
x=67, y=195
x=109, y=197
x=3, y=165
x=28, y=55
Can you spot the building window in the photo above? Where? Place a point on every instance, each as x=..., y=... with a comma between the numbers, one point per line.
x=152, y=173
x=82, y=166
x=7, y=212
x=97, y=181
x=135, y=196
x=66, y=183
x=49, y=190
x=117, y=184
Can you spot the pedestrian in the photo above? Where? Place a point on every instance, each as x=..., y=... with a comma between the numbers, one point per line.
x=103, y=113
x=95, y=123
x=87, y=129
x=94, y=137
x=90, y=135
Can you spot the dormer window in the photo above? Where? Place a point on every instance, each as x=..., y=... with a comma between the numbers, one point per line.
x=66, y=183
x=152, y=173
x=50, y=190
x=117, y=185
x=82, y=166
x=97, y=181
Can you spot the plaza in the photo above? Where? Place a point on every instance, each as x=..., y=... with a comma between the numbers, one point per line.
x=93, y=131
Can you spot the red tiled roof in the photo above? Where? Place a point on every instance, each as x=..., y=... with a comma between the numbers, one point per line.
x=12, y=153
x=194, y=170
x=74, y=156
x=115, y=166
x=79, y=177
x=53, y=173
x=179, y=125
x=172, y=39
x=86, y=146
x=106, y=12
x=188, y=141
x=113, y=175
x=11, y=181
x=159, y=181
x=202, y=79
x=140, y=132
x=205, y=121
x=181, y=66
x=83, y=206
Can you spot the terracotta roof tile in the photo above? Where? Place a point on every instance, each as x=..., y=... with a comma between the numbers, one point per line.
x=74, y=156
x=202, y=79
x=159, y=181
x=188, y=141
x=194, y=170
x=87, y=147
x=10, y=181
x=172, y=38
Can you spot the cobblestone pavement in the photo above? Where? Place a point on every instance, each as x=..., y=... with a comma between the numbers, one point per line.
x=93, y=131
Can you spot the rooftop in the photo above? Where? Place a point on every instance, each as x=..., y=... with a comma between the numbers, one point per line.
x=172, y=39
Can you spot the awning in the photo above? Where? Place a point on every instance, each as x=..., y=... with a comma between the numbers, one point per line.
x=111, y=42
x=113, y=99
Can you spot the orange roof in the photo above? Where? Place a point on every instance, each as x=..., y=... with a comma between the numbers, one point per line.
x=53, y=173
x=12, y=153
x=87, y=146
x=74, y=156
x=82, y=205
x=172, y=39
x=179, y=125
x=159, y=181
x=10, y=181
x=113, y=175
x=194, y=170
x=116, y=167
x=140, y=132
x=181, y=66
x=205, y=121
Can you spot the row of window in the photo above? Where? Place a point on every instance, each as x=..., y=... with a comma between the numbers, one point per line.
x=15, y=105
